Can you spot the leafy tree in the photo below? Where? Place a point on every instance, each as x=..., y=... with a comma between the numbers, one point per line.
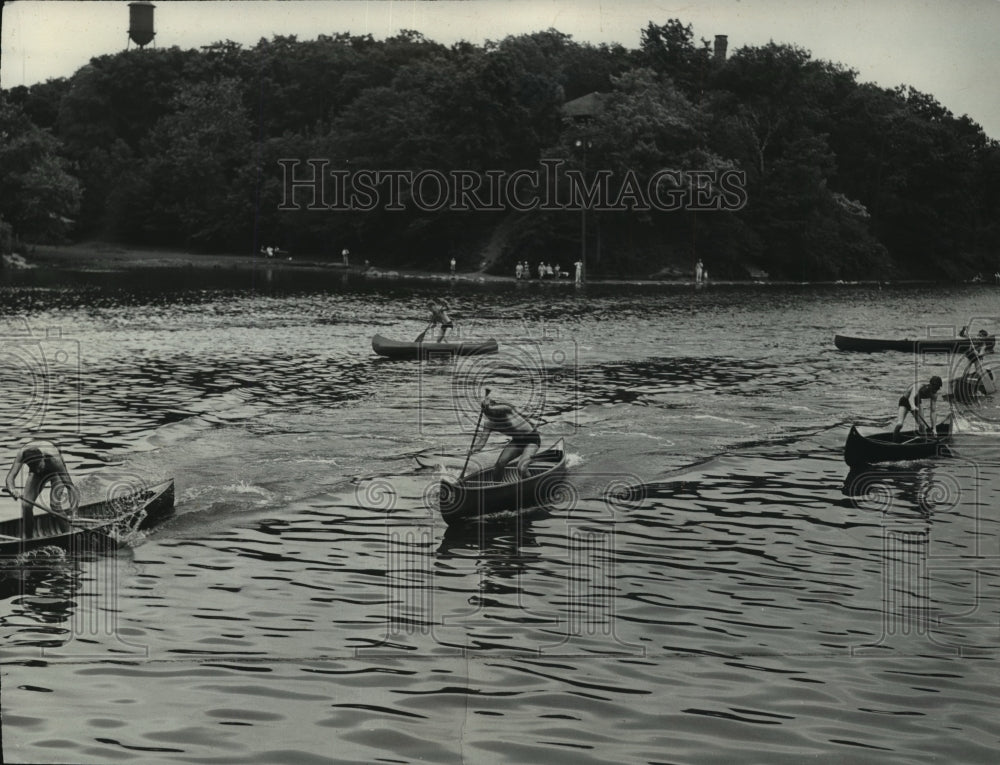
x=199, y=175
x=39, y=197
x=590, y=69
x=772, y=110
x=183, y=147
x=670, y=49
x=41, y=102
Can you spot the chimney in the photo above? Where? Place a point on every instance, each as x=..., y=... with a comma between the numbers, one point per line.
x=721, y=41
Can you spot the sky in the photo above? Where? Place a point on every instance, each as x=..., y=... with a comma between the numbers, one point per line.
x=950, y=50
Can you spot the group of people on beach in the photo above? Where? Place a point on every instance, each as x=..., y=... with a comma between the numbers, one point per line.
x=544, y=270
x=700, y=272
x=270, y=251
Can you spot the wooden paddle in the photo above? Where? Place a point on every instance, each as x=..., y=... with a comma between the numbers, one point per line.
x=986, y=380
x=437, y=458
x=420, y=337
x=56, y=513
x=474, y=436
x=933, y=434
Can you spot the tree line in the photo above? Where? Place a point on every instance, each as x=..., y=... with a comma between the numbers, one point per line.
x=828, y=177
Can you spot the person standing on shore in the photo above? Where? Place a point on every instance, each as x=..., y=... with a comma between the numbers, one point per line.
x=452, y=266
x=518, y=270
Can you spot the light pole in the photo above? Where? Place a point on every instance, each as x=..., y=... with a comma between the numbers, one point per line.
x=582, y=271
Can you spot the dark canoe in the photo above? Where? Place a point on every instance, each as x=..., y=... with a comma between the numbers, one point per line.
x=395, y=349
x=880, y=447
x=478, y=498
x=970, y=387
x=96, y=522
x=927, y=344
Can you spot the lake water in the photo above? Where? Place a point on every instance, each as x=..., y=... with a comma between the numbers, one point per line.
x=705, y=592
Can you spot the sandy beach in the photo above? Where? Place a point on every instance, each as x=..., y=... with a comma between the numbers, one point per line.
x=102, y=256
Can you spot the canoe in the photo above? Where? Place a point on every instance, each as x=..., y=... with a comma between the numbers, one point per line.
x=479, y=498
x=970, y=387
x=430, y=459
x=396, y=349
x=926, y=344
x=96, y=521
x=880, y=447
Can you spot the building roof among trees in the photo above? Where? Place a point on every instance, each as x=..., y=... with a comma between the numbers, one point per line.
x=589, y=105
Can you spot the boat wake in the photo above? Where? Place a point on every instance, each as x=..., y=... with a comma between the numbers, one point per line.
x=48, y=554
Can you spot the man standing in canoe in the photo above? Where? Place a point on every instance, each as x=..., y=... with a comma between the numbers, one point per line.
x=978, y=345
x=46, y=469
x=439, y=315
x=976, y=377
x=911, y=403
x=501, y=417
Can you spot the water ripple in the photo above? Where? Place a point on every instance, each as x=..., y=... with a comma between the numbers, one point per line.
x=717, y=587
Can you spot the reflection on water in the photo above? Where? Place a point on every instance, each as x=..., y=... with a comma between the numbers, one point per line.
x=716, y=584
x=42, y=593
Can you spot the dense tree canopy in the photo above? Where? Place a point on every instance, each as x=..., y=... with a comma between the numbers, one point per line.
x=410, y=152
x=38, y=194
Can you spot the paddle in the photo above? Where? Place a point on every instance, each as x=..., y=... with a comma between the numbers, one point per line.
x=928, y=436
x=474, y=436
x=420, y=337
x=436, y=458
x=935, y=434
x=56, y=513
x=986, y=379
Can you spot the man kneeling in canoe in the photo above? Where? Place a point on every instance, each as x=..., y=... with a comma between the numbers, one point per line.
x=501, y=417
x=45, y=468
x=913, y=400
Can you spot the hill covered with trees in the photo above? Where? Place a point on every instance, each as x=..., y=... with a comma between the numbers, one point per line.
x=409, y=152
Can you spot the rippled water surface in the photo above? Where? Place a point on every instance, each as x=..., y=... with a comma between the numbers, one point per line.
x=713, y=586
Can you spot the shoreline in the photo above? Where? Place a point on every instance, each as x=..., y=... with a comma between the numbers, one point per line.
x=107, y=257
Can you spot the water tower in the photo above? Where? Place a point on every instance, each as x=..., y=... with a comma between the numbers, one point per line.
x=140, y=23
x=721, y=43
